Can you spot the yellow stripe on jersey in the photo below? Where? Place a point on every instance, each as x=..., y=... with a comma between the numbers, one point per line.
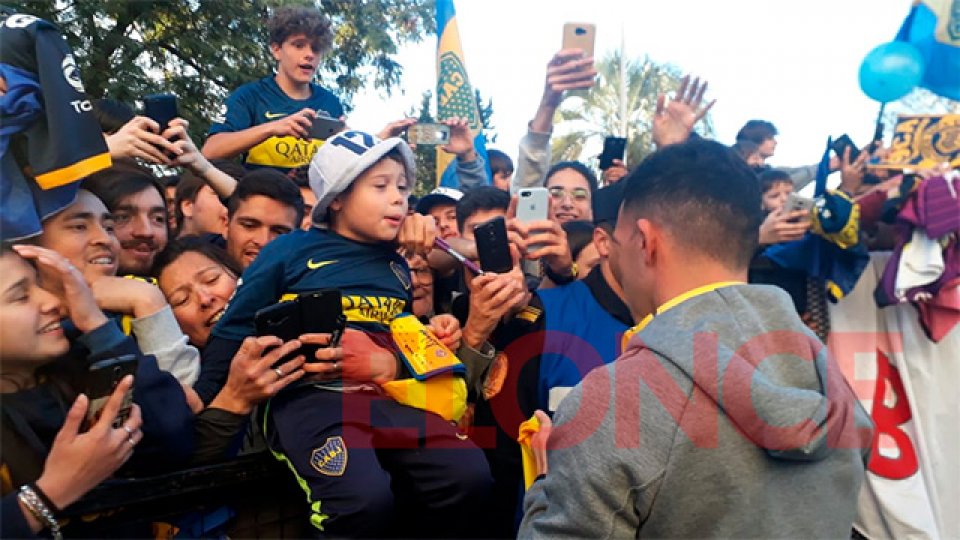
x=286, y=152
x=72, y=173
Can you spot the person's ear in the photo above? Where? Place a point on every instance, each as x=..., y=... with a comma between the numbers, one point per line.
x=601, y=239
x=648, y=240
x=335, y=205
x=186, y=208
x=275, y=50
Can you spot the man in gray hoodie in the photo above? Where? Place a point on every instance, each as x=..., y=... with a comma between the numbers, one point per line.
x=724, y=416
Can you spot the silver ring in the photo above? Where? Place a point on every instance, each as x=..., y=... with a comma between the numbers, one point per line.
x=128, y=430
x=131, y=441
x=336, y=365
x=278, y=372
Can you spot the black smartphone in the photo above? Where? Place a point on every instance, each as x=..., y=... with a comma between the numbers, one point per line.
x=841, y=143
x=613, y=148
x=102, y=379
x=324, y=127
x=311, y=312
x=161, y=108
x=492, y=246
x=322, y=312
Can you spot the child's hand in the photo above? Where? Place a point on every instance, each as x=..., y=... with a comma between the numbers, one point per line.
x=447, y=329
x=417, y=234
x=779, y=226
x=296, y=125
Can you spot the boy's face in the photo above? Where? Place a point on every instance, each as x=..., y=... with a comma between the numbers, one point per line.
x=83, y=233
x=501, y=180
x=297, y=58
x=375, y=206
x=207, y=214
x=141, y=228
x=774, y=198
x=767, y=148
x=446, y=217
x=257, y=222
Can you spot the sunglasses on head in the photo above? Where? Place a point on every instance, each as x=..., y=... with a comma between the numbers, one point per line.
x=577, y=194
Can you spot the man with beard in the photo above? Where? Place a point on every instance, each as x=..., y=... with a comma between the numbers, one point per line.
x=135, y=199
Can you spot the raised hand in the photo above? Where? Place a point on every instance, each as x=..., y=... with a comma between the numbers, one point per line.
x=63, y=279
x=461, y=139
x=674, y=120
x=140, y=138
x=396, y=128
x=79, y=461
x=781, y=226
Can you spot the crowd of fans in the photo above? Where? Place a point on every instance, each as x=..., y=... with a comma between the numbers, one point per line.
x=174, y=269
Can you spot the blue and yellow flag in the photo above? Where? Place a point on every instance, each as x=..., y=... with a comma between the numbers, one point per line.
x=455, y=94
x=933, y=27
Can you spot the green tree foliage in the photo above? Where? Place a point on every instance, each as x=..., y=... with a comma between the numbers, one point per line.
x=585, y=118
x=201, y=50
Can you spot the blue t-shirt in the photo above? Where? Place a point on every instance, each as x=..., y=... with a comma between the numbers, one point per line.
x=263, y=101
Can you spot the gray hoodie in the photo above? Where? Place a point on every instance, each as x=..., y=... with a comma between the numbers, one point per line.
x=742, y=426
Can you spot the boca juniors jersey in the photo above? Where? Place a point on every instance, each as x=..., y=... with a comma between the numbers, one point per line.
x=263, y=101
x=373, y=279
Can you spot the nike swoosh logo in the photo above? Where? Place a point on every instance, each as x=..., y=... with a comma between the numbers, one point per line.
x=274, y=115
x=314, y=265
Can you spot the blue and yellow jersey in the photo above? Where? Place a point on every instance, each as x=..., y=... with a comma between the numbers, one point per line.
x=263, y=101
x=372, y=278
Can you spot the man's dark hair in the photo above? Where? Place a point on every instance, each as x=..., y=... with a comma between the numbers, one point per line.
x=499, y=161
x=579, y=236
x=269, y=183
x=111, y=114
x=193, y=243
x=704, y=195
x=292, y=20
x=300, y=176
x=770, y=177
x=576, y=166
x=757, y=131
x=123, y=179
x=480, y=198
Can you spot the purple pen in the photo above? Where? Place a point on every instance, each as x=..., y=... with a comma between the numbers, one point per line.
x=472, y=266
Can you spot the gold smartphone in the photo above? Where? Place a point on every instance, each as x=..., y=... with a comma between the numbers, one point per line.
x=580, y=36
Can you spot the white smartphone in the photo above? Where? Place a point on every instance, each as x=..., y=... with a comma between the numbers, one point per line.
x=798, y=202
x=533, y=204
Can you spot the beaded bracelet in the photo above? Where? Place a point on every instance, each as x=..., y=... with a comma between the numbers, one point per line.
x=54, y=509
x=39, y=510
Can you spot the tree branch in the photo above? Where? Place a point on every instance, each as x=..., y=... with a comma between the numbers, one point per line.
x=203, y=72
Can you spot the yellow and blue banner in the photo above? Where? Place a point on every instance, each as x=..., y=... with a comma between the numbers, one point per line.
x=933, y=27
x=922, y=141
x=455, y=94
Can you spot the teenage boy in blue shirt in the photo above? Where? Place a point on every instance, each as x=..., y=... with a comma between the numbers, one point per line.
x=268, y=120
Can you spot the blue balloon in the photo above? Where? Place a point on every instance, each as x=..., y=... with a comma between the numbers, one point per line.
x=890, y=71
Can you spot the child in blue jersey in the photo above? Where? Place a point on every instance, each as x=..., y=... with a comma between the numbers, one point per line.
x=343, y=439
x=268, y=120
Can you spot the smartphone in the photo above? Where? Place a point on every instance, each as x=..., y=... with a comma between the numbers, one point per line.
x=841, y=143
x=579, y=36
x=798, y=202
x=613, y=148
x=311, y=312
x=322, y=313
x=492, y=246
x=324, y=127
x=533, y=204
x=102, y=379
x=161, y=108
x=428, y=134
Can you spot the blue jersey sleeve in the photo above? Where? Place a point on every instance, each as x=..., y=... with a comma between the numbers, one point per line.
x=261, y=285
x=240, y=113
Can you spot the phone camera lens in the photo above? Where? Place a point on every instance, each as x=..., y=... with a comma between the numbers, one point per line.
x=525, y=194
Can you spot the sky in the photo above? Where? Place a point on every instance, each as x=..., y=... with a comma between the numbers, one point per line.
x=794, y=63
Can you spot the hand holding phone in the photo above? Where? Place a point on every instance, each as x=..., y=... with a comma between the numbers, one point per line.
x=796, y=202
x=493, y=246
x=161, y=108
x=613, y=148
x=841, y=143
x=102, y=379
x=314, y=312
x=428, y=134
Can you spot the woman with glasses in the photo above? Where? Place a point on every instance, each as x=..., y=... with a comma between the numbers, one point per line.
x=571, y=185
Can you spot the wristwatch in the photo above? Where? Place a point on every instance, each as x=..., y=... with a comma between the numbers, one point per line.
x=561, y=279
